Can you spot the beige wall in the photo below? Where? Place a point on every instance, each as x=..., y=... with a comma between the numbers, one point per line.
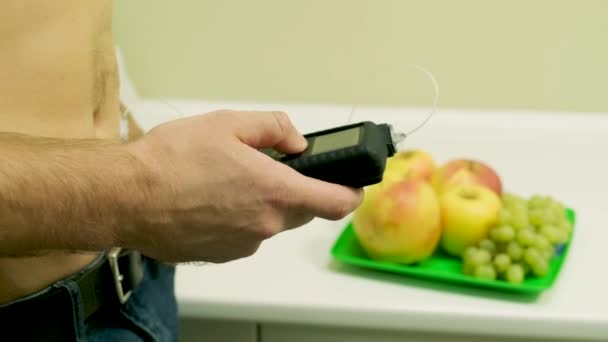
x=500, y=54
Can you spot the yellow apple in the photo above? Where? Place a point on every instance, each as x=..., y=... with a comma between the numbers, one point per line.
x=399, y=222
x=468, y=211
x=416, y=164
x=466, y=171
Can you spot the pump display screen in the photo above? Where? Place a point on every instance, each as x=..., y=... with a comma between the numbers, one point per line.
x=336, y=141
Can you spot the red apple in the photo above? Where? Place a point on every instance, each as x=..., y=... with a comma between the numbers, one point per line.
x=415, y=164
x=468, y=211
x=399, y=222
x=466, y=171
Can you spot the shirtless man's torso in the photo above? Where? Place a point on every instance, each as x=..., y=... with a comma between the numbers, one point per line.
x=58, y=78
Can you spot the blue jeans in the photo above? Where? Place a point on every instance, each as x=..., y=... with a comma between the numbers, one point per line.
x=150, y=314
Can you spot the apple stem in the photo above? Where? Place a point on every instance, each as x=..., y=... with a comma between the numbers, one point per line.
x=471, y=165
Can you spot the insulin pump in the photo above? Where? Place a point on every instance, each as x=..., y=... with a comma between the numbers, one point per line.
x=352, y=155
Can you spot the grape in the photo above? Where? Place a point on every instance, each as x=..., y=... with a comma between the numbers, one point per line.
x=514, y=251
x=532, y=255
x=562, y=236
x=550, y=217
x=559, y=209
x=545, y=210
x=565, y=225
x=548, y=200
x=468, y=253
x=548, y=253
x=556, y=218
x=488, y=245
x=504, y=216
x=536, y=217
x=515, y=274
x=536, y=201
x=554, y=205
x=519, y=218
x=502, y=262
x=540, y=267
x=485, y=272
x=541, y=242
x=554, y=211
x=511, y=200
x=473, y=257
x=481, y=257
x=553, y=234
x=525, y=237
x=502, y=233
x=545, y=247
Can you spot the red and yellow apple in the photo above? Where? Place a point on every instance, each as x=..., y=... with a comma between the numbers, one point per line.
x=466, y=171
x=468, y=211
x=399, y=222
x=415, y=164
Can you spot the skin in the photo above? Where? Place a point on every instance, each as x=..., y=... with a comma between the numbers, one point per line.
x=70, y=189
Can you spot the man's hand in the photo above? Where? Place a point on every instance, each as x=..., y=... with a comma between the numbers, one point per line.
x=212, y=196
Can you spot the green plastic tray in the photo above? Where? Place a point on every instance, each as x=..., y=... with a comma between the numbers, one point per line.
x=444, y=268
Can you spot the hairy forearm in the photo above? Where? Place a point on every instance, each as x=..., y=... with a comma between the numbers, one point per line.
x=65, y=195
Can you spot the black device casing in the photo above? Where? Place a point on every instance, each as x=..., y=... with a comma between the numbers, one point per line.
x=356, y=166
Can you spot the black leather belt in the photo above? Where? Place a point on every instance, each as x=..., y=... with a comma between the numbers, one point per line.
x=48, y=314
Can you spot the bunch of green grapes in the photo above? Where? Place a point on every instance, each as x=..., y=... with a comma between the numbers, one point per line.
x=522, y=243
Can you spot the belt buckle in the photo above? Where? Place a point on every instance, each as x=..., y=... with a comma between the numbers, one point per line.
x=118, y=277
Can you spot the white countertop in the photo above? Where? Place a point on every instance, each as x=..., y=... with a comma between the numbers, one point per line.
x=293, y=278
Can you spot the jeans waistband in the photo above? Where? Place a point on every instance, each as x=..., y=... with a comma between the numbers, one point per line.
x=53, y=313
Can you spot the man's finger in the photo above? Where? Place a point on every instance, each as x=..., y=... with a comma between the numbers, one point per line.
x=269, y=129
x=322, y=199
